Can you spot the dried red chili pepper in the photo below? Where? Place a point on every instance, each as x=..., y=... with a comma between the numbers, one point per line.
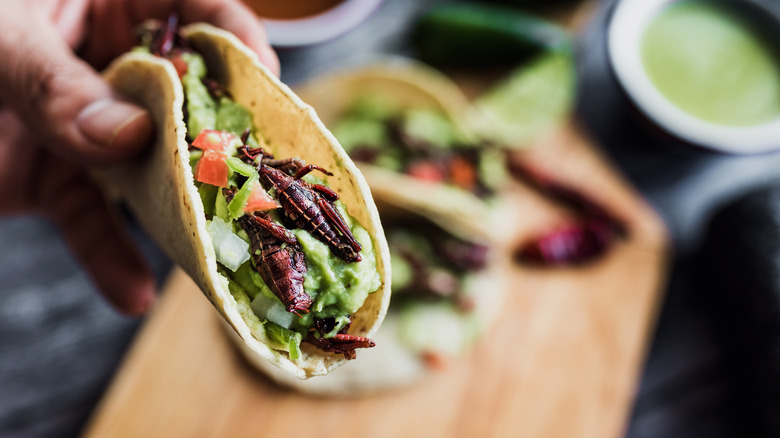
x=573, y=244
x=590, y=235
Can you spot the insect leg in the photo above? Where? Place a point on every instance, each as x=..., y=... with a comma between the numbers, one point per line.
x=306, y=169
x=275, y=230
x=326, y=192
x=338, y=221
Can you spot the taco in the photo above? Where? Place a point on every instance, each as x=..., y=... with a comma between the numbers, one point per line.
x=407, y=126
x=297, y=265
x=448, y=286
x=449, y=276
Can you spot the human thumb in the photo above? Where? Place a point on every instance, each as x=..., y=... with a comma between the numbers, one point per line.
x=60, y=97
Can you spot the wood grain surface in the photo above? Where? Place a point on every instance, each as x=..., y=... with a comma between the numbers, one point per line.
x=562, y=361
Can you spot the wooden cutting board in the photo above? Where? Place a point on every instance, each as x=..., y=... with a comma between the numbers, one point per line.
x=562, y=361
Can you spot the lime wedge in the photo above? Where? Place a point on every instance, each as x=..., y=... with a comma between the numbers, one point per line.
x=531, y=101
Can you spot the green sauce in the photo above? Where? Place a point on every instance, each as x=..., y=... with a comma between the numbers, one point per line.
x=713, y=62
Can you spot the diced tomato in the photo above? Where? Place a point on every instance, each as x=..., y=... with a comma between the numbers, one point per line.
x=426, y=171
x=180, y=65
x=214, y=140
x=259, y=199
x=462, y=173
x=435, y=360
x=212, y=169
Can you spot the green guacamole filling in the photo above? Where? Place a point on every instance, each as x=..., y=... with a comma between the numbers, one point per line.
x=337, y=288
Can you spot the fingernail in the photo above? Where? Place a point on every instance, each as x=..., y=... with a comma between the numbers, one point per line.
x=103, y=119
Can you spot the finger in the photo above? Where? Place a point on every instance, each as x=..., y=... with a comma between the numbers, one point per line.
x=31, y=180
x=60, y=98
x=231, y=15
x=17, y=166
x=237, y=18
x=97, y=240
x=69, y=19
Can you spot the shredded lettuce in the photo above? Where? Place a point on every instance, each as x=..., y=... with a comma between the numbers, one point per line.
x=221, y=207
x=281, y=338
x=208, y=196
x=288, y=340
x=245, y=310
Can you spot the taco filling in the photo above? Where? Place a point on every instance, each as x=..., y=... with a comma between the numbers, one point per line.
x=432, y=275
x=420, y=142
x=297, y=264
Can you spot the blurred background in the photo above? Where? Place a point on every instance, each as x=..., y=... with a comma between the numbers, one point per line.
x=713, y=360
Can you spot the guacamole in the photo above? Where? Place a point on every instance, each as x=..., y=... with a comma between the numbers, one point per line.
x=205, y=112
x=336, y=288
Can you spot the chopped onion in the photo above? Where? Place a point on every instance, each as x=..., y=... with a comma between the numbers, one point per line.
x=272, y=310
x=218, y=231
x=233, y=252
x=230, y=249
x=278, y=314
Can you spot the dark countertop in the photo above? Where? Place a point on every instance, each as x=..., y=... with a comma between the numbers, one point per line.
x=60, y=343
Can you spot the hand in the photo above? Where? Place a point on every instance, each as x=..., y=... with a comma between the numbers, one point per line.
x=59, y=116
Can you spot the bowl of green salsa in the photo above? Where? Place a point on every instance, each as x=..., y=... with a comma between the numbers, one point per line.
x=706, y=71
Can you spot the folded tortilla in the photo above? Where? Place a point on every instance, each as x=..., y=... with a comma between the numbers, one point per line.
x=406, y=84
x=159, y=187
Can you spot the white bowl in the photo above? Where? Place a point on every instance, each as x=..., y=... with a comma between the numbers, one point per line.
x=628, y=24
x=320, y=27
